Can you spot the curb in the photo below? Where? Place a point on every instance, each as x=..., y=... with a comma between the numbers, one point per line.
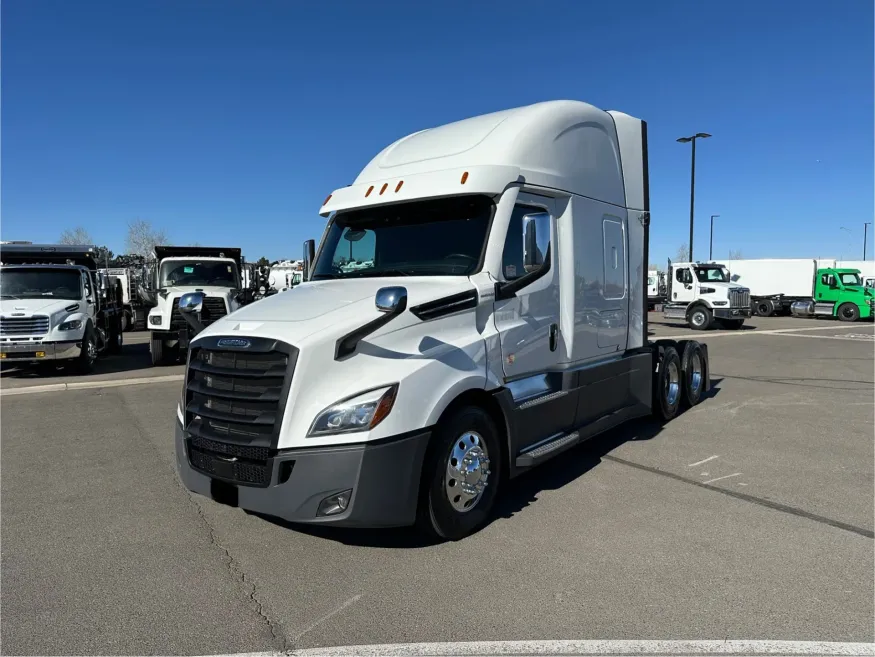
x=84, y=385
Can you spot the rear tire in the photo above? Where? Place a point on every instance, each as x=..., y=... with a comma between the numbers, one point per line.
x=465, y=444
x=115, y=339
x=694, y=372
x=699, y=318
x=764, y=308
x=848, y=312
x=667, y=384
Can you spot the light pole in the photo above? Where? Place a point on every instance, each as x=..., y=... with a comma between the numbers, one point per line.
x=684, y=140
x=866, y=225
x=711, y=245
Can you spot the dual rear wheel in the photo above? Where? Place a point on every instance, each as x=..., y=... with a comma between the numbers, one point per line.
x=679, y=379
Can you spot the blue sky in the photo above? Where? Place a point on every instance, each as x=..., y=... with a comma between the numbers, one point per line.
x=228, y=122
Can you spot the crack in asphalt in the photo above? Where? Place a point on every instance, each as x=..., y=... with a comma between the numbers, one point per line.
x=776, y=506
x=231, y=564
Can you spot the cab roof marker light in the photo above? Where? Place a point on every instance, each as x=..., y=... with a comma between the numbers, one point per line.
x=464, y=177
x=327, y=198
x=398, y=186
x=370, y=189
x=383, y=188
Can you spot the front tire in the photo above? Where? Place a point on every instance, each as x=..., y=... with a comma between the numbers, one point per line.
x=700, y=318
x=848, y=312
x=87, y=358
x=156, y=350
x=460, y=475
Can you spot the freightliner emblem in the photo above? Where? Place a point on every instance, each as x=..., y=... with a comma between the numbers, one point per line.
x=234, y=342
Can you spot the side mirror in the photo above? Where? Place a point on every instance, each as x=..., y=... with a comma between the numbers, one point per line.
x=191, y=302
x=391, y=299
x=309, y=256
x=536, y=239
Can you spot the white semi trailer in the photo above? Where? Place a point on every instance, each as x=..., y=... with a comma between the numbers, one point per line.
x=501, y=321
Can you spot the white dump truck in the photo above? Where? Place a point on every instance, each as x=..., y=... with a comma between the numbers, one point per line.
x=501, y=321
x=214, y=271
x=56, y=307
x=703, y=295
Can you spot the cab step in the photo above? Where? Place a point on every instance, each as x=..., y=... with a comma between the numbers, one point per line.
x=540, y=452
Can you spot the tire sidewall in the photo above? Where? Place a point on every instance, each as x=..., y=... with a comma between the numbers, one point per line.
x=84, y=364
x=854, y=312
x=667, y=356
x=705, y=318
x=691, y=395
x=437, y=514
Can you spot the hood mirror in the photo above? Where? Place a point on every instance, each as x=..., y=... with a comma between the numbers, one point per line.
x=192, y=302
x=391, y=299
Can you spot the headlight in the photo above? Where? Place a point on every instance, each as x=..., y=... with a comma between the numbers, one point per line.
x=72, y=325
x=360, y=413
x=155, y=320
x=707, y=290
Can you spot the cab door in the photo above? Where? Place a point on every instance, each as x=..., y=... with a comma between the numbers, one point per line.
x=545, y=398
x=682, y=286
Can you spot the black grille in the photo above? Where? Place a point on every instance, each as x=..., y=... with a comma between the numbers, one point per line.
x=241, y=472
x=234, y=402
x=213, y=308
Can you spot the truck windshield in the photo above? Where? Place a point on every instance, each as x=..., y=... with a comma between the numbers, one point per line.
x=437, y=237
x=32, y=283
x=184, y=273
x=712, y=274
x=850, y=279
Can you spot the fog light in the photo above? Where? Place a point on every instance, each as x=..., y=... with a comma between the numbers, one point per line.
x=155, y=320
x=2, y=355
x=334, y=504
x=40, y=354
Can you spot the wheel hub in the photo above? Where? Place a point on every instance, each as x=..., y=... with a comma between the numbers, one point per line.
x=467, y=472
x=672, y=384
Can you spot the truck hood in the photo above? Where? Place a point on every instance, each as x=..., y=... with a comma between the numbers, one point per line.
x=331, y=308
x=41, y=306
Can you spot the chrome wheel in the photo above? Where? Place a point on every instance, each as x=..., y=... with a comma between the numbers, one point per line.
x=695, y=371
x=672, y=384
x=467, y=472
x=699, y=318
x=91, y=351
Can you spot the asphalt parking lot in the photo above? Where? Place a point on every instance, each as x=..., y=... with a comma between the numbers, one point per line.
x=747, y=517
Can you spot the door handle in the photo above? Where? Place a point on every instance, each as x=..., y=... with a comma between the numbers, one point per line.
x=554, y=334
x=689, y=287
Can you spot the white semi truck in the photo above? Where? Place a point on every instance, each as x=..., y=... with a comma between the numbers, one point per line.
x=702, y=294
x=215, y=271
x=56, y=307
x=503, y=320
x=656, y=288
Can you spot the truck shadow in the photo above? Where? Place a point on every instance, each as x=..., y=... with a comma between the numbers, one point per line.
x=133, y=358
x=516, y=495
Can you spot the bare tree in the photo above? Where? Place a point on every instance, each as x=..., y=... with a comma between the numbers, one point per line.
x=683, y=254
x=143, y=237
x=735, y=254
x=76, y=235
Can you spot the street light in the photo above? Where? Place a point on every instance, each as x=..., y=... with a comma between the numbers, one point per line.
x=684, y=140
x=711, y=247
x=866, y=225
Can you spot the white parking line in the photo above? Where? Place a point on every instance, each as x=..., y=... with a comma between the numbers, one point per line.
x=854, y=337
x=81, y=385
x=711, y=481
x=604, y=648
x=710, y=458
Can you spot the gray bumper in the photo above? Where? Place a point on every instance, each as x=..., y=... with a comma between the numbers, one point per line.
x=384, y=479
x=732, y=313
x=27, y=352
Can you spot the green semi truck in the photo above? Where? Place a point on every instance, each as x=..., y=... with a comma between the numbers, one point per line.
x=804, y=288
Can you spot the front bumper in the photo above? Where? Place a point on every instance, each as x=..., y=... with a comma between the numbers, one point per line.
x=732, y=313
x=384, y=479
x=183, y=336
x=29, y=352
